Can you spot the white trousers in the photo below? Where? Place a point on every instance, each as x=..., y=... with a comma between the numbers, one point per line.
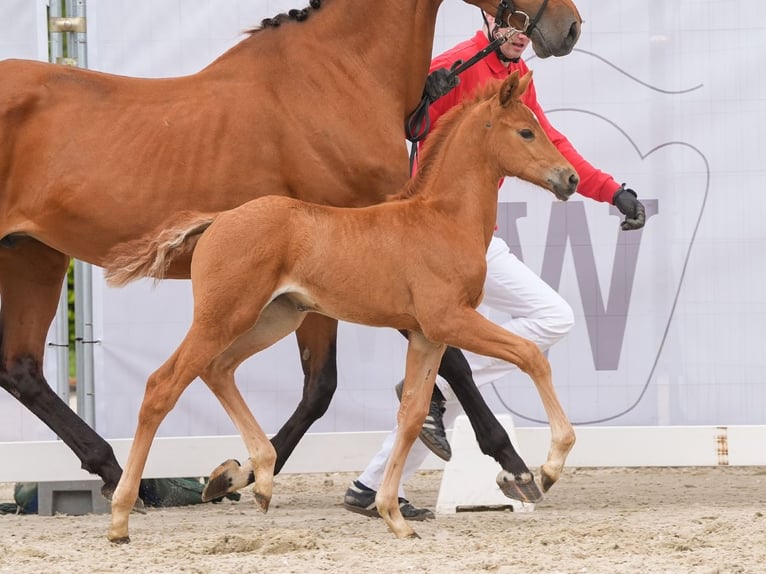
x=535, y=311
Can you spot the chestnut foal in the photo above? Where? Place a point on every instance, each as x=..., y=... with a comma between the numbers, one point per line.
x=415, y=263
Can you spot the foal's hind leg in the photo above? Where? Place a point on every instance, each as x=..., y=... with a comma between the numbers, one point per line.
x=230, y=476
x=277, y=320
x=31, y=277
x=515, y=480
x=316, y=342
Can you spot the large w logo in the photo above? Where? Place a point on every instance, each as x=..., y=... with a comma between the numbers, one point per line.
x=568, y=225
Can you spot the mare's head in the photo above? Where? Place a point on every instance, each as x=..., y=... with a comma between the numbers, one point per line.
x=552, y=25
x=517, y=142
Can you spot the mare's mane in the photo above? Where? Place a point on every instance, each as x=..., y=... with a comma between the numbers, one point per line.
x=433, y=144
x=299, y=15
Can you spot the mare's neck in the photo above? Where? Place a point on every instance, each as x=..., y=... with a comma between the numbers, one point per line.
x=380, y=45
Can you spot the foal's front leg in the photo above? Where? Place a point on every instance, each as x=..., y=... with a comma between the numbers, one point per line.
x=515, y=479
x=423, y=358
x=468, y=329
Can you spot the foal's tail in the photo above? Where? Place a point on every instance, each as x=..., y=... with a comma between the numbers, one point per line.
x=151, y=257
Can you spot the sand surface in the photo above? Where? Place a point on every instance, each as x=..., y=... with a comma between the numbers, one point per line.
x=655, y=520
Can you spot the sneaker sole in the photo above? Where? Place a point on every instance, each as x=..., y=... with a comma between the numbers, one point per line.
x=425, y=437
x=373, y=513
x=421, y=517
x=435, y=448
x=369, y=512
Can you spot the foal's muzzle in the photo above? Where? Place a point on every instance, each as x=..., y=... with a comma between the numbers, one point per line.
x=564, y=183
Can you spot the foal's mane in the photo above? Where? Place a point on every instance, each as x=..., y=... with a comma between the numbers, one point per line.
x=299, y=15
x=435, y=142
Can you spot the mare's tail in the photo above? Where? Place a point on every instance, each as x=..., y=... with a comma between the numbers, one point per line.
x=151, y=257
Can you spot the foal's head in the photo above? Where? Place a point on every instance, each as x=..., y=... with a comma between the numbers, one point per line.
x=517, y=142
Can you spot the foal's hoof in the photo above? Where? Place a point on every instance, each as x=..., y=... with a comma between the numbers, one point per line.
x=546, y=481
x=120, y=540
x=522, y=487
x=549, y=475
x=221, y=480
x=405, y=533
x=414, y=536
x=263, y=501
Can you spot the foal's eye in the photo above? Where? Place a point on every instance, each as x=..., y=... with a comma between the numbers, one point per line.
x=527, y=134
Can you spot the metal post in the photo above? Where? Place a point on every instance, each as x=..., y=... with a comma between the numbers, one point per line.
x=61, y=345
x=83, y=272
x=68, y=20
x=84, y=341
x=56, y=40
x=79, y=37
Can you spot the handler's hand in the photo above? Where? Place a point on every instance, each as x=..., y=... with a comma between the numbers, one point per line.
x=626, y=200
x=440, y=82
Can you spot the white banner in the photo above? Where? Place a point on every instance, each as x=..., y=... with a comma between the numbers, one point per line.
x=664, y=95
x=670, y=321
x=24, y=30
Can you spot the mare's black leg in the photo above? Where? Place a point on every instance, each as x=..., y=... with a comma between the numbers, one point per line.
x=31, y=276
x=24, y=380
x=317, y=338
x=517, y=482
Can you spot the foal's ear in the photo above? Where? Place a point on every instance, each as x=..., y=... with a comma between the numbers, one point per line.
x=514, y=86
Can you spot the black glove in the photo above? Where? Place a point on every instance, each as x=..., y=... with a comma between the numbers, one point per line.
x=440, y=82
x=626, y=200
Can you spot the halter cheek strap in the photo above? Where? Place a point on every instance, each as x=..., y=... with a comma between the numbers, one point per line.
x=506, y=9
x=503, y=7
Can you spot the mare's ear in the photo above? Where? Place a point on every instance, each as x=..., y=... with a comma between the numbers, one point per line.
x=513, y=87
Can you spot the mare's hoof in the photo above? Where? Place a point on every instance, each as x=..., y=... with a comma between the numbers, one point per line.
x=523, y=488
x=221, y=481
x=107, y=491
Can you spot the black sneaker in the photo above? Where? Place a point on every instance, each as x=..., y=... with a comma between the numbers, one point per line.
x=433, y=434
x=361, y=500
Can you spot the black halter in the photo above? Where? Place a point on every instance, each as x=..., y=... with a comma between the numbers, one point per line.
x=506, y=10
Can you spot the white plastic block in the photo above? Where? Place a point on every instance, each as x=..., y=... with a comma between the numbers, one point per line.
x=468, y=482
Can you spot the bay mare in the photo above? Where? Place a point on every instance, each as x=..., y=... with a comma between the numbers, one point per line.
x=287, y=111
x=416, y=263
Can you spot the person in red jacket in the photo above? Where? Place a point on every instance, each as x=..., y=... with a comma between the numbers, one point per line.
x=537, y=311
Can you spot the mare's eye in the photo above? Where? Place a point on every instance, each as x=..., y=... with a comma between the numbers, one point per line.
x=527, y=134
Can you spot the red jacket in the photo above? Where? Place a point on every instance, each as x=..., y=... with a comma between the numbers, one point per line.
x=594, y=183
